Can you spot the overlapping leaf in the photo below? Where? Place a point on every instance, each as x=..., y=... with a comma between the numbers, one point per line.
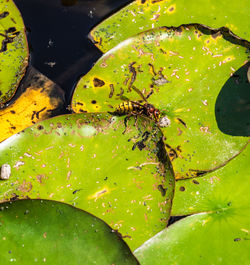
x=219, y=232
x=46, y=232
x=88, y=161
x=181, y=71
x=13, y=49
x=40, y=100
x=142, y=15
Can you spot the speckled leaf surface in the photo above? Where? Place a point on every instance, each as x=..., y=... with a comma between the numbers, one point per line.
x=13, y=49
x=142, y=15
x=86, y=160
x=47, y=232
x=182, y=70
x=227, y=185
x=40, y=100
x=219, y=232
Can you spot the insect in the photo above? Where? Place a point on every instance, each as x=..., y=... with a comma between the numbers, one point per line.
x=136, y=108
x=130, y=107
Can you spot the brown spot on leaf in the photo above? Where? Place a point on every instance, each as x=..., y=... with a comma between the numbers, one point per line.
x=25, y=186
x=182, y=188
x=196, y=182
x=216, y=35
x=4, y=14
x=133, y=77
x=171, y=152
x=111, y=90
x=156, y=1
x=98, y=82
x=162, y=190
x=14, y=197
x=182, y=122
x=40, y=178
x=179, y=131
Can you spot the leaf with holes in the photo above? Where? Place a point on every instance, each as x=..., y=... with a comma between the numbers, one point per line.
x=142, y=15
x=36, y=231
x=95, y=163
x=181, y=71
x=13, y=50
x=218, y=232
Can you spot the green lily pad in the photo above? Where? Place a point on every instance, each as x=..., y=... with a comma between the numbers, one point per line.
x=93, y=162
x=227, y=185
x=13, y=49
x=142, y=15
x=181, y=71
x=219, y=232
x=38, y=232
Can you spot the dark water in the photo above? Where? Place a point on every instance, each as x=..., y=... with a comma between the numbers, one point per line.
x=57, y=35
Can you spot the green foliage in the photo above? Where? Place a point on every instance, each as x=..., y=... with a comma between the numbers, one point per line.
x=142, y=15
x=46, y=232
x=13, y=49
x=183, y=69
x=118, y=168
x=87, y=161
x=219, y=231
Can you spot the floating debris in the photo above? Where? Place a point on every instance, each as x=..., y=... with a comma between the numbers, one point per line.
x=5, y=171
x=164, y=121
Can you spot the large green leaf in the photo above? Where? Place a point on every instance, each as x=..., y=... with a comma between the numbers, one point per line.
x=13, y=49
x=219, y=232
x=47, y=232
x=184, y=68
x=142, y=15
x=86, y=160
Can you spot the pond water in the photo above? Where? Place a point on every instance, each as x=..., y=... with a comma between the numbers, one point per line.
x=57, y=32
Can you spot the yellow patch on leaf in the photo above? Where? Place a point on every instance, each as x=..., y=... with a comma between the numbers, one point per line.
x=33, y=105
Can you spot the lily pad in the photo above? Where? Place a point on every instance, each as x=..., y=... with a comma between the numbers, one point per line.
x=13, y=49
x=223, y=188
x=40, y=99
x=38, y=232
x=219, y=232
x=142, y=15
x=181, y=71
x=94, y=162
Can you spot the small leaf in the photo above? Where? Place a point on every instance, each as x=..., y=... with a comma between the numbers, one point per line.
x=38, y=232
x=219, y=189
x=13, y=49
x=41, y=99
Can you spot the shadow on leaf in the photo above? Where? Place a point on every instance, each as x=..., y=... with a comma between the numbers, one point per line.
x=232, y=108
